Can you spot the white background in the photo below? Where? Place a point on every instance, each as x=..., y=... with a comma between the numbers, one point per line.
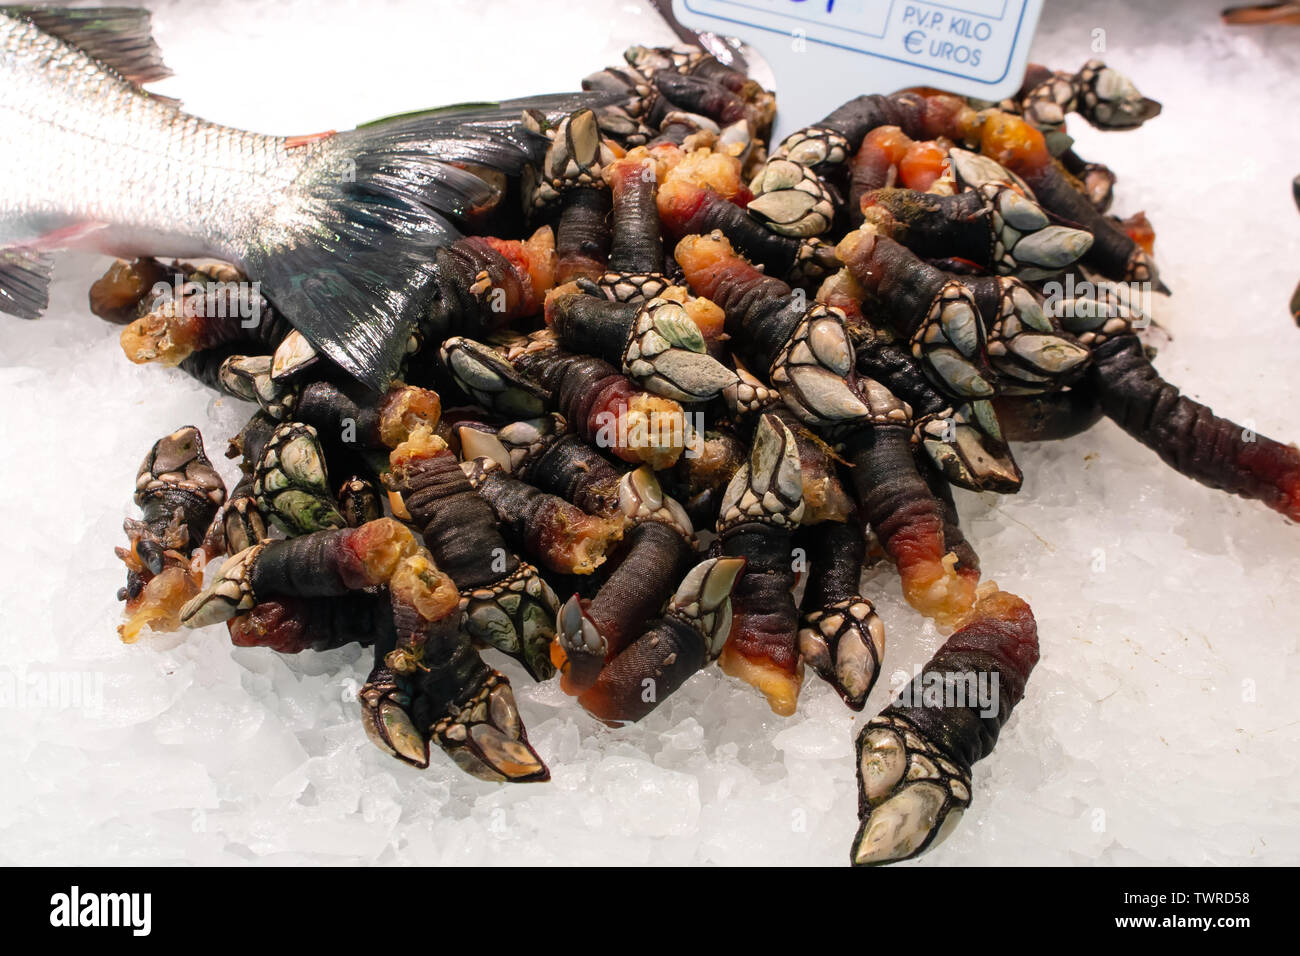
x=1160, y=726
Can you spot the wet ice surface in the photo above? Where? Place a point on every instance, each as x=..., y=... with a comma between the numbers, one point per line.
x=1159, y=727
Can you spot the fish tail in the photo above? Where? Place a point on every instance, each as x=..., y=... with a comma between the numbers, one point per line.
x=348, y=255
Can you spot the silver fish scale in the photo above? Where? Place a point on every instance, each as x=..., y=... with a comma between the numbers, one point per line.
x=82, y=146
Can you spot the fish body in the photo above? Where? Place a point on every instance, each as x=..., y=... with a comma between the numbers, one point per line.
x=339, y=228
x=96, y=162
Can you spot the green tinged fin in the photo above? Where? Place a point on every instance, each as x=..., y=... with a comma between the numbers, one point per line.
x=24, y=282
x=356, y=270
x=118, y=37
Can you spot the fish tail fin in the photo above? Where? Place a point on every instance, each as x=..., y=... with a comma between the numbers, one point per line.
x=348, y=257
x=24, y=282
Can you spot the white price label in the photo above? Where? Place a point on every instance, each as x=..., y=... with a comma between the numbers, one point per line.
x=824, y=52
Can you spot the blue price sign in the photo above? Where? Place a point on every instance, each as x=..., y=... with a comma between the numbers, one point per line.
x=826, y=51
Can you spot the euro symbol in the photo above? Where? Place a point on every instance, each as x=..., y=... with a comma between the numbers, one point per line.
x=914, y=41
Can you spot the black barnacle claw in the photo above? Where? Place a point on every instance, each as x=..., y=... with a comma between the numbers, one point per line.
x=485, y=736
x=691, y=632
x=811, y=369
x=967, y=446
x=585, y=647
x=950, y=344
x=1025, y=242
x=290, y=484
x=791, y=199
x=491, y=380
x=574, y=160
x=516, y=615
x=840, y=635
x=249, y=377
x=667, y=355
x=641, y=498
x=386, y=716
x=1109, y=100
x=1028, y=353
x=293, y=356
x=911, y=795
x=229, y=593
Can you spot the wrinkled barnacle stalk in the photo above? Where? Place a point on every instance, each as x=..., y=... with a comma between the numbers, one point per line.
x=635, y=270
x=937, y=315
x=1047, y=417
x=179, y=494
x=965, y=442
x=688, y=208
x=598, y=402
x=803, y=347
x=571, y=187
x=840, y=635
x=1187, y=435
x=656, y=342
x=990, y=222
x=658, y=544
x=201, y=309
x=689, y=634
x=551, y=460
x=290, y=625
x=906, y=516
x=560, y=536
x=506, y=603
x=760, y=511
x=483, y=284
x=915, y=757
x=322, y=564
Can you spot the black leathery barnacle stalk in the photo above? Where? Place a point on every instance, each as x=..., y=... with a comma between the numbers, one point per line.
x=290, y=625
x=1186, y=435
x=636, y=254
x=671, y=648
x=840, y=635
x=507, y=604
x=895, y=501
x=915, y=757
x=577, y=472
x=560, y=535
x=760, y=511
